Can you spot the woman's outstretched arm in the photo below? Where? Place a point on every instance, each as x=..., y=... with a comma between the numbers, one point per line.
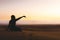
x=20, y=18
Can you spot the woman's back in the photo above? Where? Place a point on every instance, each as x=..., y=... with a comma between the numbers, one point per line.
x=12, y=23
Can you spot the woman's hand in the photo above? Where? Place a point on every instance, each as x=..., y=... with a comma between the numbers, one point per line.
x=24, y=16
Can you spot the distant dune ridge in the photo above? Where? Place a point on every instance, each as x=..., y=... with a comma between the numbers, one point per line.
x=35, y=27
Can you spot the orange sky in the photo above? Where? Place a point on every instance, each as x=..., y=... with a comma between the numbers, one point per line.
x=37, y=11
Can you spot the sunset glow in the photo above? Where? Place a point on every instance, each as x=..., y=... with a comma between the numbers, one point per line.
x=36, y=11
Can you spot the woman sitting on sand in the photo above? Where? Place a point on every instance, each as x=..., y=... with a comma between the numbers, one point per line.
x=12, y=24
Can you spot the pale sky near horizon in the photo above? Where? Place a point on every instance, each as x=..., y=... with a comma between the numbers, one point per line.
x=37, y=11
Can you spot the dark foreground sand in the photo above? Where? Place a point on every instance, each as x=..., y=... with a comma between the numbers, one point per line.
x=31, y=32
x=29, y=35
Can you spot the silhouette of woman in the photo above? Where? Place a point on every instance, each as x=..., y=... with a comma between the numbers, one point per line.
x=12, y=23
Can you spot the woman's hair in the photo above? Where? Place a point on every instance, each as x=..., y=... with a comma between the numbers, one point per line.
x=12, y=17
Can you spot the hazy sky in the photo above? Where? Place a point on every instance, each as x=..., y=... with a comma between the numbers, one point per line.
x=37, y=11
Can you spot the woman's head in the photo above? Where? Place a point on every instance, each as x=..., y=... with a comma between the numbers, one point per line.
x=12, y=17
